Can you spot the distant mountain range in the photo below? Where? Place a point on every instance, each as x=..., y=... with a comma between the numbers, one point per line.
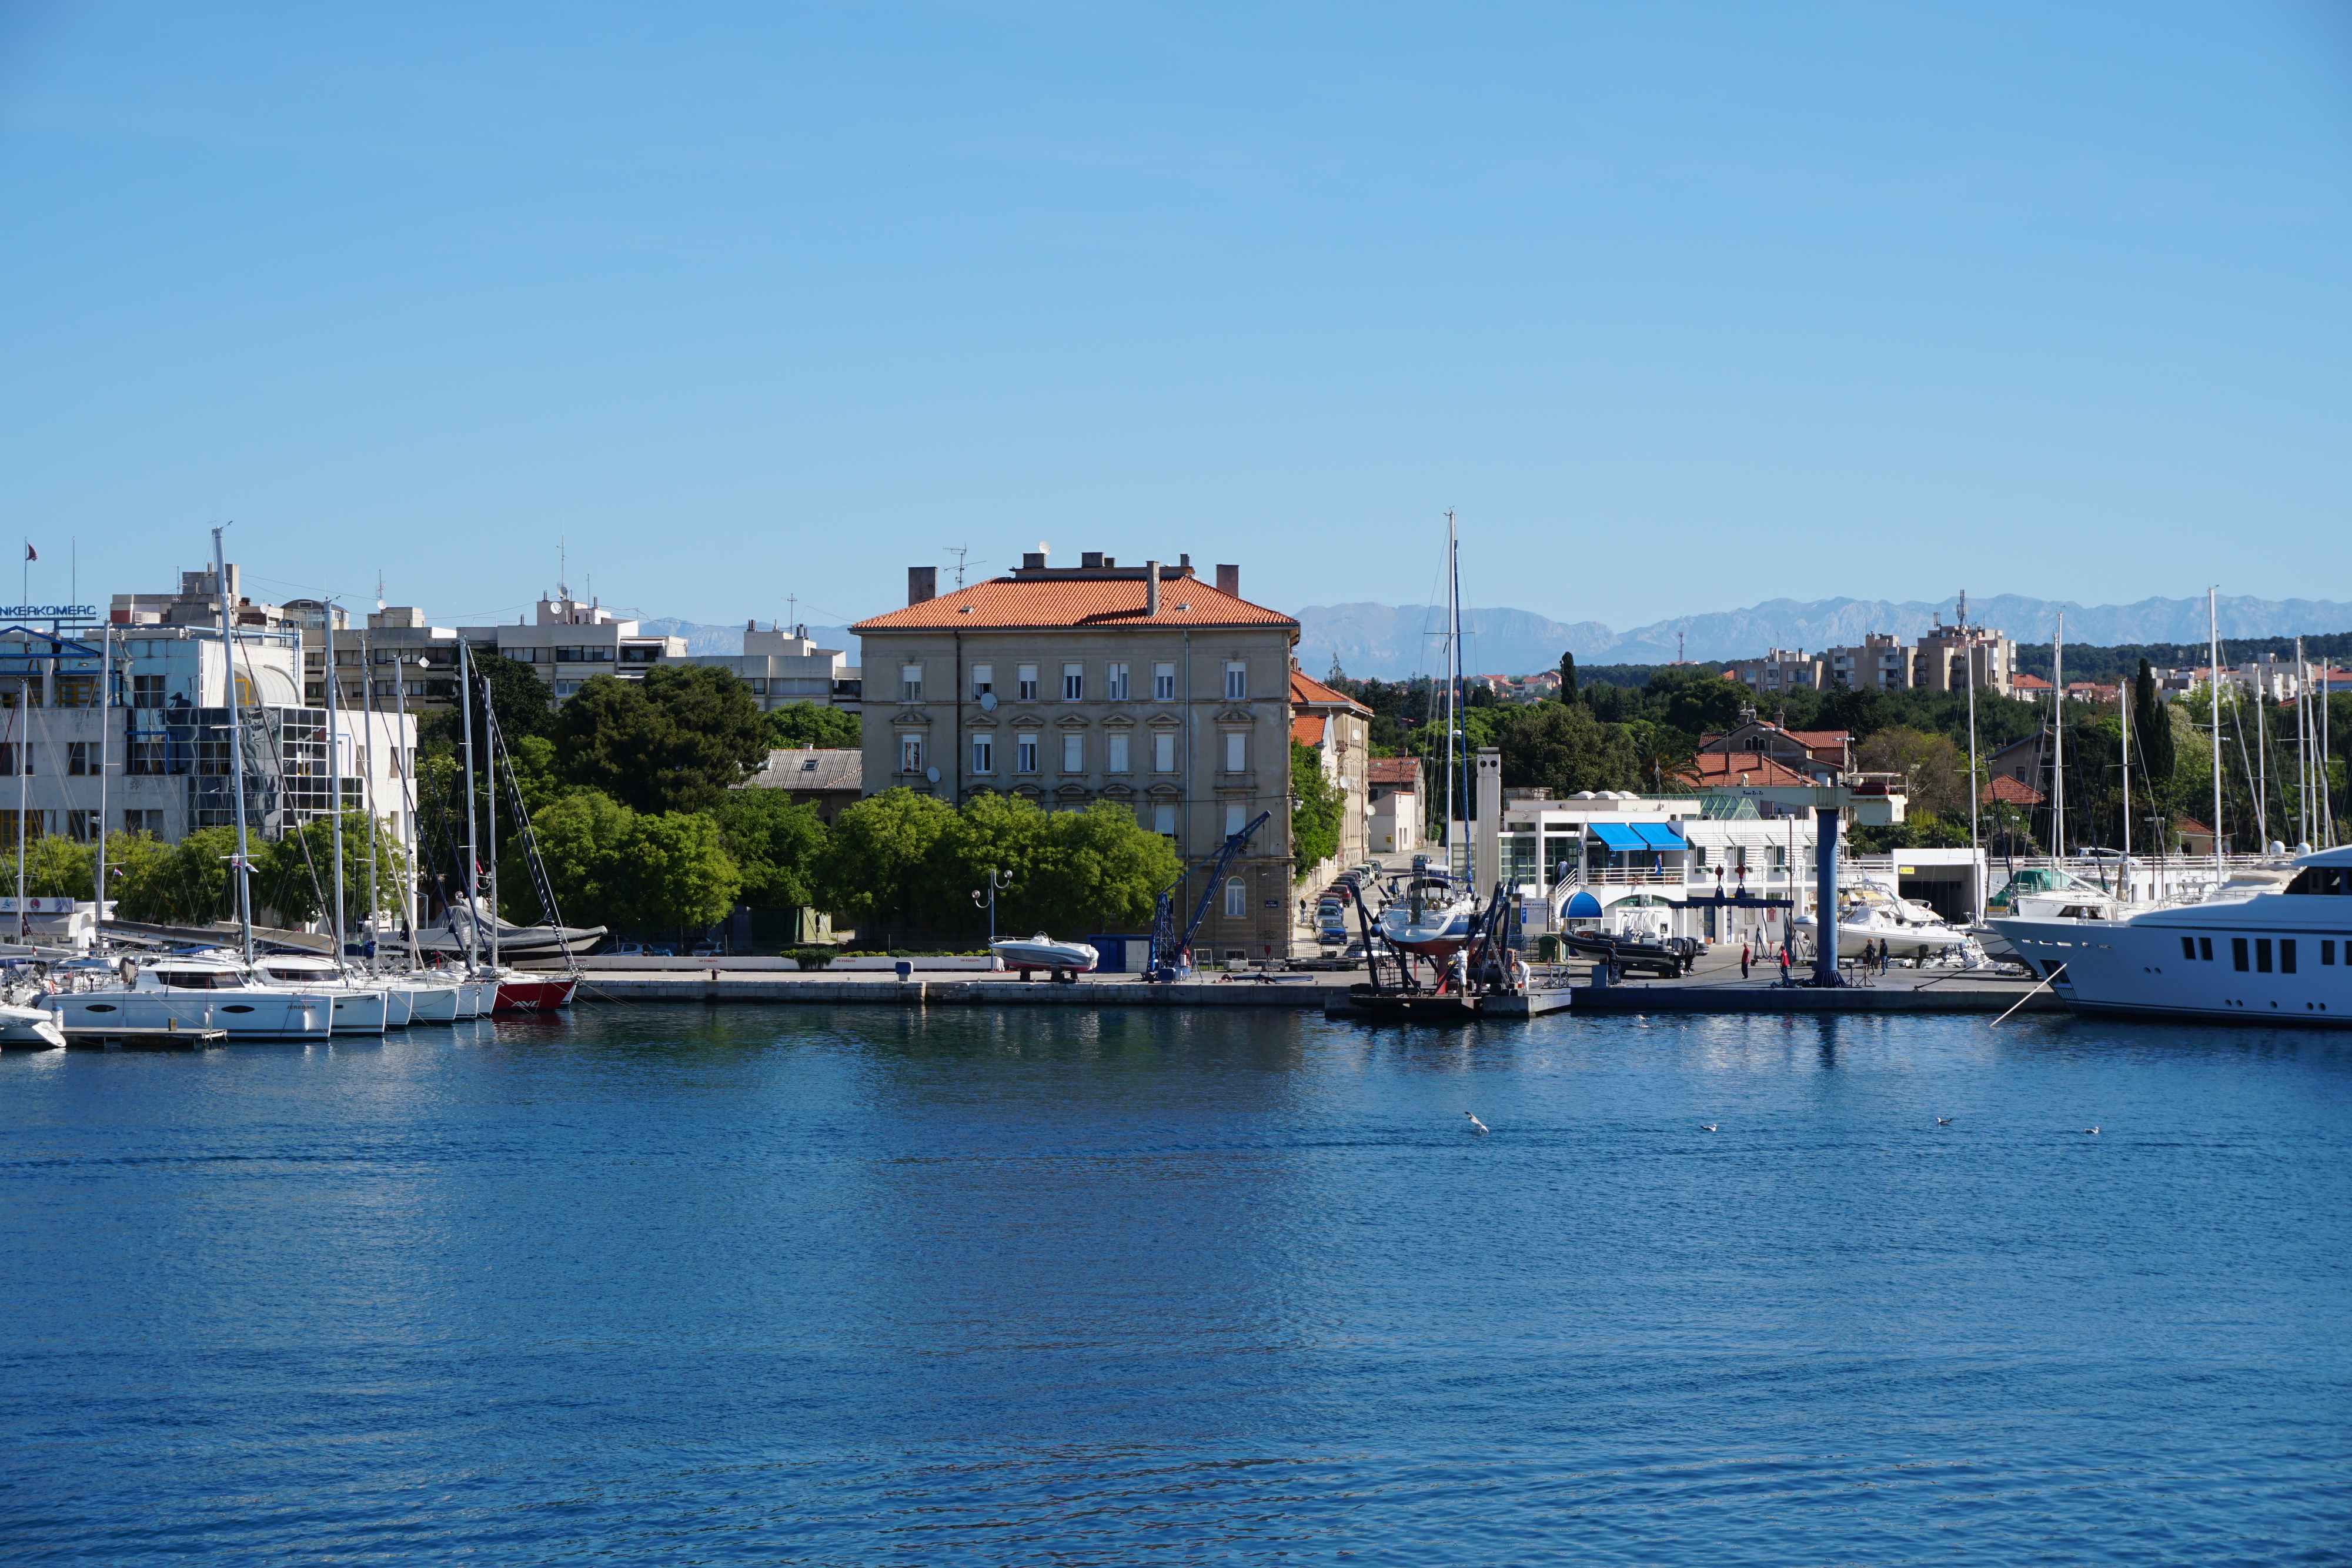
x=1388, y=641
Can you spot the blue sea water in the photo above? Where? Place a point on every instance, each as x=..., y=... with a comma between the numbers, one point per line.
x=786, y=1285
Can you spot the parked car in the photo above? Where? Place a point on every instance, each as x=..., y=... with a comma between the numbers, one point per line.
x=706, y=950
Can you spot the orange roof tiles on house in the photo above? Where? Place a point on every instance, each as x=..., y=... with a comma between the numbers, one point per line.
x=1722, y=770
x=1072, y=602
x=1394, y=772
x=2029, y=682
x=1306, y=690
x=1308, y=728
x=2005, y=790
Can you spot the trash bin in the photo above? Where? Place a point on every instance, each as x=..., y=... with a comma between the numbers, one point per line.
x=1548, y=948
x=906, y=970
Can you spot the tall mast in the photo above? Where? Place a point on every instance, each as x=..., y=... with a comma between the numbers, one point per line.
x=21, y=755
x=367, y=794
x=491, y=800
x=2123, y=712
x=236, y=746
x=1976, y=786
x=105, y=704
x=2058, y=739
x=473, y=859
x=2262, y=761
x=335, y=778
x=1452, y=685
x=408, y=798
x=2213, y=635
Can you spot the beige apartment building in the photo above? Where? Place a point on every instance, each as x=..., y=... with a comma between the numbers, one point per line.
x=1142, y=685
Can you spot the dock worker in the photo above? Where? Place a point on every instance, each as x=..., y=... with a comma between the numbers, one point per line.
x=1743, y=960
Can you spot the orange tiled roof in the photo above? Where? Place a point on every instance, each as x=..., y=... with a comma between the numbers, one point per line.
x=1012, y=604
x=1731, y=769
x=2029, y=682
x=1818, y=739
x=1306, y=690
x=1308, y=728
x=2012, y=791
x=1394, y=772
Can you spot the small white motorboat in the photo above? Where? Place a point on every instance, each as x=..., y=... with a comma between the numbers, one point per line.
x=23, y=1026
x=1062, y=959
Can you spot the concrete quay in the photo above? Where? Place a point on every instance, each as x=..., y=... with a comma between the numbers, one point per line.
x=936, y=989
x=1714, y=986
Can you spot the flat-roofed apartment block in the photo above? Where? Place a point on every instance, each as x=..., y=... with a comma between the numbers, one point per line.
x=1780, y=670
x=786, y=667
x=1141, y=686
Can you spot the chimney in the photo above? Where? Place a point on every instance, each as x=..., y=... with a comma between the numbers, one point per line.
x=1229, y=580
x=1034, y=561
x=1152, y=588
x=922, y=584
x=1091, y=560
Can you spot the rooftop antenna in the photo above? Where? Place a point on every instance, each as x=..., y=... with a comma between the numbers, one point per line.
x=793, y=607
x=958, y=551
x=562, y=567
x=379, y=588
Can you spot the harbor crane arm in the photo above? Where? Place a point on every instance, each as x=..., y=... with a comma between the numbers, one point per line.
x=1166, y=941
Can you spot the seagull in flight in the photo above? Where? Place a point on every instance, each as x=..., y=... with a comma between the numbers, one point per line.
x=1476, y=1124
x=1706, y=1127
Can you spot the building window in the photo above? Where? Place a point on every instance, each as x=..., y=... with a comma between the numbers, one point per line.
x=910, y=683
x=1236, y=899
x=983, y=680
x=143, y=821
x=1237, y=754
x=1236, y=681
x=1073, y=754
x=8, y=754
x=1236, y=818
x=82, y=827
x=146, y=691
x=910, y=754
x=1073, y=683
x=519, y=655
x=644, y=656
x=78, y=758
x=1163, y=683
x=1114, y=683
x=1164, y=821
x=145, y=759
x=1163, y=752
x=1026, y=682
x=1116, y=762
x=983, y=754
x=562, y=689
x=1024, y=753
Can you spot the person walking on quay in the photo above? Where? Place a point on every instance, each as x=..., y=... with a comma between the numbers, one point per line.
x=1784, y=962
x=1743, y=960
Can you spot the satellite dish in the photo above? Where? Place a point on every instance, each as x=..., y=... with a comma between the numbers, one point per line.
x=932, y=774
x=988, y=701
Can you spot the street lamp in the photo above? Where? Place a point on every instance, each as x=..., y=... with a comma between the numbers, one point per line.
x=986, y=899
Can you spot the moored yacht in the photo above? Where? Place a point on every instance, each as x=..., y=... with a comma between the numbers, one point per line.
x=2273, y=948
x=198, y=990
x=1432, y=915
x=359, y=1008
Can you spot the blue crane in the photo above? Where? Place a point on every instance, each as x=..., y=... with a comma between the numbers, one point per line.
x=1167, y=942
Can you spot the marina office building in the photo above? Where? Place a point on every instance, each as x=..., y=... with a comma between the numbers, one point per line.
x=165, y=741
x=1141, y=686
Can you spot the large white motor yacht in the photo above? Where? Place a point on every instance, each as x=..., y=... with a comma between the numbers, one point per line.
x=2272, y=946
x=199, y=990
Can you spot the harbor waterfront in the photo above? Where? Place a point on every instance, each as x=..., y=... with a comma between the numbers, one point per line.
x=830, y=1284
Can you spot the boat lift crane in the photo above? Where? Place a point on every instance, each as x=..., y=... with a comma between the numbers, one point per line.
x=1167, y=942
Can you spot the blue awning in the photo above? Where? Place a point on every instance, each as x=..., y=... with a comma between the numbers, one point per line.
x=1582, y=906
x=1658, y=836
x=1620, y=838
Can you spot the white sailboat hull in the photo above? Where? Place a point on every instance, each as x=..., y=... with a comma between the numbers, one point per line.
x=242, y=1014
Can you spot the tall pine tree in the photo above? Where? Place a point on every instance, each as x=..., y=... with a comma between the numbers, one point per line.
x=1568, y=677
x=2152, y=729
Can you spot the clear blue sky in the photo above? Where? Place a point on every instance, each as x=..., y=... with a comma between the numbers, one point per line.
x=1683, y=306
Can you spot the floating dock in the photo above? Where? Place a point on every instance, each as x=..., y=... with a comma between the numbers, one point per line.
x=143, y=1039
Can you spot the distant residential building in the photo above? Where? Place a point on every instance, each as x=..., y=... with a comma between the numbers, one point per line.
x=1780, y=669
x=831, y=780
x=2003, y=789
x=786, y=667
x=1818, y=757
x=2033, y=688
x=1393, y=790
x=1141, y=686
x=1881, y=661
x=1339, y=729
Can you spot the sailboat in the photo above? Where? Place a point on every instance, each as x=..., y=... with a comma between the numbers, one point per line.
x=505, y=990
x=1434, y=915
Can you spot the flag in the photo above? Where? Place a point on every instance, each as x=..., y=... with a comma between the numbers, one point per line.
x=30, y=553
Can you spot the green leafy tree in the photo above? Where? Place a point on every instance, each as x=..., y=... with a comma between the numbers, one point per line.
x=2152, y=731
x=1560, y=746
x=132, y=862
x=674, y=873
x=1073, y=872
x=517, y=697
x=775, y=843
x=676, y=741
x=1861, y=711
x=1316, y=809
x=294, y=875
x=57, y=868
x=187, y=886
x=878, y=855
x=1936, y=769
x=581, y=838
x=812, y=725
x=1696, y=702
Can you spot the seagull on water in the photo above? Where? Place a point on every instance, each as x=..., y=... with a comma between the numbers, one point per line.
x=1476, y=1124
x=1943, y=1121
x=2093, y=1130
x=1706, y=1126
